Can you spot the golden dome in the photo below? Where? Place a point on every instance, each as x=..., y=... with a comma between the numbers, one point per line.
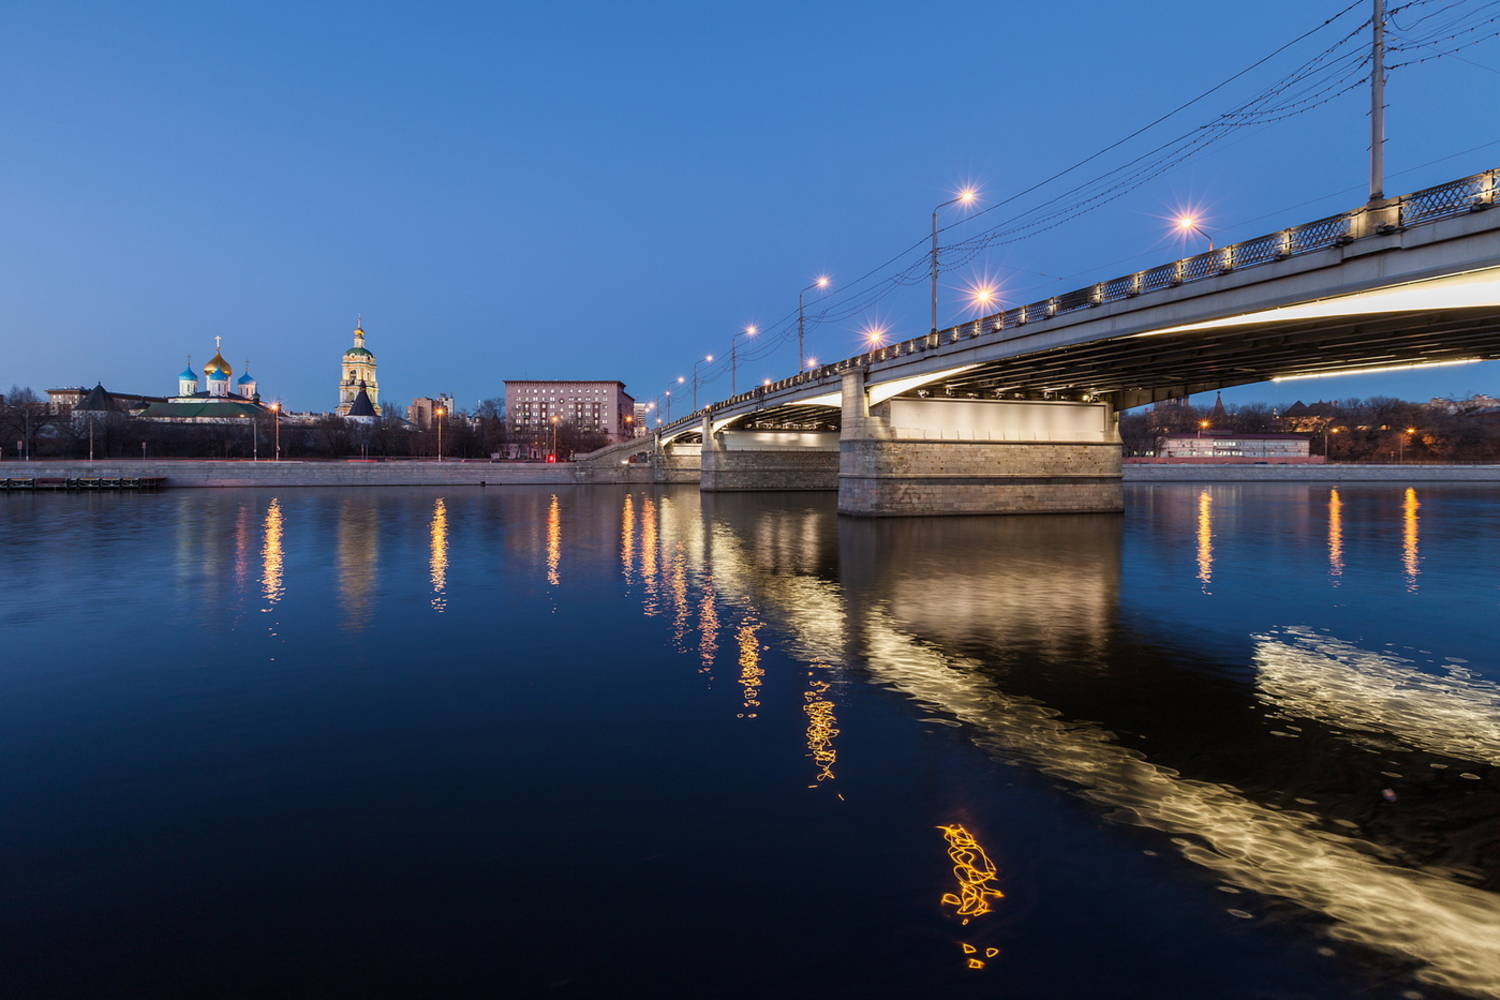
x=217, y=364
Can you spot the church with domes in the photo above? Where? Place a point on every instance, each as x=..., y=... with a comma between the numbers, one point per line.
x=359, y=390
x=213, y=398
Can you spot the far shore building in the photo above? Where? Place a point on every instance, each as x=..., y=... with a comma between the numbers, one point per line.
x=602, y=406
x=1228, y=447
x=422, y=410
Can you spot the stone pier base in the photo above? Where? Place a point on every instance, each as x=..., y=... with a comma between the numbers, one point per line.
x=913, y=478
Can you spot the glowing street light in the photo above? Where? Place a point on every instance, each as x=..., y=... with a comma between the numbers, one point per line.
x=1188, y=223
x=983, y=296
x=821, y=282
x=438, y=413
x=706, y=359
x=874, y=336
x=749, y=331
x=276, y=411
x=966, y=197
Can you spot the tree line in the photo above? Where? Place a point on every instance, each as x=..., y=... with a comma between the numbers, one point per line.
x=1378, y=429
x=31, y=426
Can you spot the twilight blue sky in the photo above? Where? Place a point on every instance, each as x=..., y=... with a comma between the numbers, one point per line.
x=606, y=190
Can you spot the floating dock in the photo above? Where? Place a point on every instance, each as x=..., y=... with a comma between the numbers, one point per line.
x=82, y=483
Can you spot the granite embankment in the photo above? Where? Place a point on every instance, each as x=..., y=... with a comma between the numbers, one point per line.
x=191, y=473
x=1333, y=473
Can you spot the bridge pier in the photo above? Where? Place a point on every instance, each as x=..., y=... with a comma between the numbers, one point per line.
x=735, y=461
x=676, y=463
x=939, y=455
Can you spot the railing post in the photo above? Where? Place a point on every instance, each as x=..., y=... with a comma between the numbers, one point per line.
x=1136, y=281
x=1285, y=249
x=1097, y=299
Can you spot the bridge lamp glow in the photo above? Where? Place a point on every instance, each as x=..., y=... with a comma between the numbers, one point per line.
x=765, y=381
x=822, y=281
x=874, y=335
x=812, y=362
x=968, y=195
x=681, y=379
x=1377, y=371
x=1190, y=223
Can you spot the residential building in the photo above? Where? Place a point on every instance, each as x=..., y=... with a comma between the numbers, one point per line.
x=599, y=406
x=420, y=413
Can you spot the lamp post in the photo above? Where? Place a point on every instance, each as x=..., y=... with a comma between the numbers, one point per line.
x=821, y=282
x=749, y=331
x=965, y=197
x=276, y=412
x=1202, y=426
x=1401, y=444
x=1327, y=431
x=438, y=419
x=874, y=337
x=706, y=358
x=1189, y=224
x=254, y=438
x=555, y=419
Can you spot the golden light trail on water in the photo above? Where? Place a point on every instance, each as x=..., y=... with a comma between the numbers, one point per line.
x=627, y=538
x=438, y=545
x=1410, y=559
x=1335, y=536
x=554, y=542
x=975, y=874
x=271, y=556
x=1205, y=539
x=752, y=674
x=822, y=727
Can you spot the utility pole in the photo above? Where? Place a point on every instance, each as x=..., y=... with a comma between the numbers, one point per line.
x=1377, y=102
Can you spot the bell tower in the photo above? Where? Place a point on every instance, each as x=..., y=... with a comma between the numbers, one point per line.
x=357, y=372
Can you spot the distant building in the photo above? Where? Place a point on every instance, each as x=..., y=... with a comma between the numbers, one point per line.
x=1223, y=446
x=601, y=406
x=420, y=413
x=124, y=402
x=357, y=375
x=1479, y=401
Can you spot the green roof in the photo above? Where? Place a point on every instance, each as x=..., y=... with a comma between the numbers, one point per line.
x=363, y=352
x=208, y=408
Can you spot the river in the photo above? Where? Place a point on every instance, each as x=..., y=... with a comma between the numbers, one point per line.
x=1242, y=741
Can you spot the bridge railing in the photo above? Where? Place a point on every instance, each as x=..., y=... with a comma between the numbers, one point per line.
x=1468, y=194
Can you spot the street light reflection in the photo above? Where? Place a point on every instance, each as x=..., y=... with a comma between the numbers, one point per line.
x=1205, y=539
x=271, y=556
x=1410, y=558
x=439, y=555
x=1335, y=536
x=554, y=542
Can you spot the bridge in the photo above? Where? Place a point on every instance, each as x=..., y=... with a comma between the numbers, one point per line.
x=1017, y=412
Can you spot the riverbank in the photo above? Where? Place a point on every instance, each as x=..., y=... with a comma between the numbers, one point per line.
x=207, y=473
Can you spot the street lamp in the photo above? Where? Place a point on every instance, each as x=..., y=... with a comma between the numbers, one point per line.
x=1202, y=426
x=276, y=411
x=965, y=197
x=1401, y=444
x=438, y=414
x=821, y=282
x=555, y=419
x=749, y=331
x=706, y=358
x=1327, y=431
x=874, y=336
x=1188, y=223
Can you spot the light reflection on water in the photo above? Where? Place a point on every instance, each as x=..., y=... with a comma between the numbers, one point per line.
x=1335, y=536
x=1410, y=556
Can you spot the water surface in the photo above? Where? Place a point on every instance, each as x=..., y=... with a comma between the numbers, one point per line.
x=1241, y=741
